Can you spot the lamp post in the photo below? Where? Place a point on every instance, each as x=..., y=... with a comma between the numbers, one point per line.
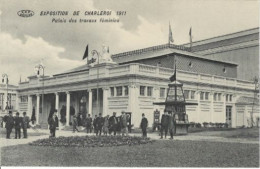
x=93, y=52
x=38, y=68
x=5, y=78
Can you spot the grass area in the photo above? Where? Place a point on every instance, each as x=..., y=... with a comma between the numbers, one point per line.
x=160, y=153
x=248, y=133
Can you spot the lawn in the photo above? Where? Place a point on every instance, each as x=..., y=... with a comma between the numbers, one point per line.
x=161, y=153
x=248, y=133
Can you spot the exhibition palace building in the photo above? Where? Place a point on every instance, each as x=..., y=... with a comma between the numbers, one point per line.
x=217, y=73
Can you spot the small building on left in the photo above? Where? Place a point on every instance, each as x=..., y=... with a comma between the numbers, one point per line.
x=8, y=98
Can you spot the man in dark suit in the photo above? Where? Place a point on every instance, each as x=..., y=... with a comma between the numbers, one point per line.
x=164, y=124
x=144, y=124
x=113, y=124
x=17, y=125
x=25, y=124
x=99, y=124
x=52, y=125
x=95, y=124
x=88, y=123
x=9, y=124
x=171, y=125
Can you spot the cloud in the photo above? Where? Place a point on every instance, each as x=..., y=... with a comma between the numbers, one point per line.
x=19, y=58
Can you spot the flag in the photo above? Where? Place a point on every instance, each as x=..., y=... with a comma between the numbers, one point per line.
x=170, y=34
x=190, y=33
x=86, y=53
x=173, y=77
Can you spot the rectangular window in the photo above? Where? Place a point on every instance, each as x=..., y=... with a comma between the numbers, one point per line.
x=230, y=98
x=192, y=95
x=142, y=90
x=112, y=91
x=119, y=91
x=186, y=94
x=219, y=96
x=162, y=92
x=215, y=96
x=149, y=91
x=227, y=97
x=201, y=95
x=126, y=90
x=207, y=96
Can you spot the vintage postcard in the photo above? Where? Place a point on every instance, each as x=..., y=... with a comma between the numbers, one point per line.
x=136, y=83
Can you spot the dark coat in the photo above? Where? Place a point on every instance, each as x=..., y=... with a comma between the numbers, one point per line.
x=53, y=123
x=112, y=122
x=144, y=123
x=88, y=121
x=9, y=122
x=171, y=122
x=99, y=122
x=18, y=122
x=165, y=120
x=25, y=122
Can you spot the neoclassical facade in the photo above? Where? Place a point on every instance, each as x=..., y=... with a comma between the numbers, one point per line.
x=134, y=80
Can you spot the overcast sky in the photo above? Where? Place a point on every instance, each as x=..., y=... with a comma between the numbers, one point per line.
x=24, y=42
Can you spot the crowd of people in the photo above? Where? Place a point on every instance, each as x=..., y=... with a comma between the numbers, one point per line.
x=108, y=125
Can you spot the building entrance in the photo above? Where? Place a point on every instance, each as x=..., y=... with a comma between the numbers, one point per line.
x=229, y=115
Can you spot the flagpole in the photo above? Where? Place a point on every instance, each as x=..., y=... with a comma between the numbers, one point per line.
x=190, y=38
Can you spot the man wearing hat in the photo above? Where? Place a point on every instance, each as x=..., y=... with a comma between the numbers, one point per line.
x=99, y=124
x=144, y=124
x=113, y=124
x=9, y=124
x=25, y=124
x=17, y=125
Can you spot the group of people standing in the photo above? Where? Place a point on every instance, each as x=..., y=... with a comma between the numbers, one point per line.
x=17, y=123
x=167, y=123
x=107, y=125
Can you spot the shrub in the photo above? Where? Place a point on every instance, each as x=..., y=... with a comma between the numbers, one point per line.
x=205, y=124
x=198, y=125
x=192, y=124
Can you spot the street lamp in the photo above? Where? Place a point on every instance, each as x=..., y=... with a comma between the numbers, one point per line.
x=93, y=52
x=38, y=68
x=5, y=78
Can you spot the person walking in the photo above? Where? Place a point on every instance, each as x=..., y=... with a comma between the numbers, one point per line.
x=25, y=124
x=171, y=124
x=53, y=124
x=99, y=124
x=17, y=125
x=113, y=124
x=33, y=117
x=123, y=122
x=9, y=124
x=164, y=124
x=143, y=125
x=75, y=123
x=106, y=124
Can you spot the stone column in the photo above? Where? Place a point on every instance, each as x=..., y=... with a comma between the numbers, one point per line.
x=29, y=106
x=105, y=101
x=133, y=105
x=198, y=107
x=68, y=109
x=37, y=108
x=90, y=101
x=211, y=98
x=57, y=108
x=17, y=101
